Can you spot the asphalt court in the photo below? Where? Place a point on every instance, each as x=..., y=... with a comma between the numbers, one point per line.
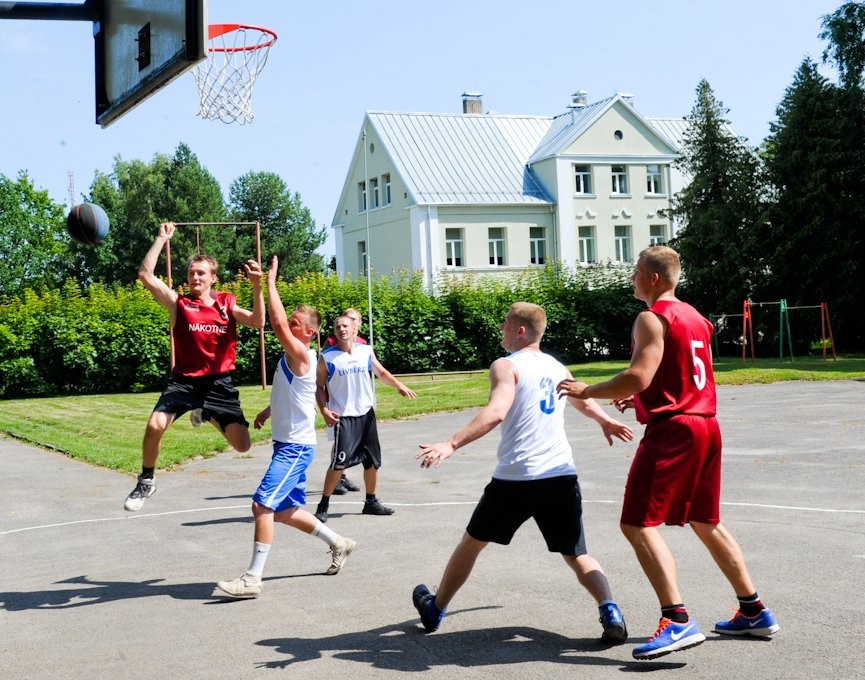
x=90, y=591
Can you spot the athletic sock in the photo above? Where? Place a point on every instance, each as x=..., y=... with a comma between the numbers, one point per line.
x=750, y=605
x=324, y=503
x=148, y=472
x=370, y=498
x=676, y=613
x=325, y=533
x=259, y=557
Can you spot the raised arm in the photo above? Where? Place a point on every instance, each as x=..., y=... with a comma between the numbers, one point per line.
x=255, y=318
x=147, y=271
x=503, y=388
x=295, y=351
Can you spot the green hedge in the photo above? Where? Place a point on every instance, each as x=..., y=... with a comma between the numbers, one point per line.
x=98, y=339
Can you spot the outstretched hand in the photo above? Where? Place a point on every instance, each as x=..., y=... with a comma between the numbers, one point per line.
x=614, y=428
x=166, y=230
x=274, y=267
x=253, y=272
x=432, y=455
x=571, y=388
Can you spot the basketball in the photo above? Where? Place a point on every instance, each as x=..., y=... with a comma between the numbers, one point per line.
x=87, y=223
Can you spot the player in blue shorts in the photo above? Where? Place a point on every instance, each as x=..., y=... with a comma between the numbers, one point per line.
x=282, y=493
x=535, y=476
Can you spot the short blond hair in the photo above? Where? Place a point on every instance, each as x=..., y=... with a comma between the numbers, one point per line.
x=530, y=315
x=313, y=317
x=201, y=257
x=664, y=261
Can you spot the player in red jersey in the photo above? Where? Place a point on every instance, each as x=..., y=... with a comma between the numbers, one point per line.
x=204, y=328
x=676, y=474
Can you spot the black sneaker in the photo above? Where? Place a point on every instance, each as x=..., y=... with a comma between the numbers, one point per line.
x=340, y=489
x=143, y=490
x=425, y=603
x=348, y=485
x=321, y=514
x=376, y=508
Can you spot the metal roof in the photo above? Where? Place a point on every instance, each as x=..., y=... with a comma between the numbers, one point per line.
x=458, y=159
x=567, y=127
x=674, y=130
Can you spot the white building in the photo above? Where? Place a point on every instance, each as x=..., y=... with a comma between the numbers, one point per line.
x=494, y=194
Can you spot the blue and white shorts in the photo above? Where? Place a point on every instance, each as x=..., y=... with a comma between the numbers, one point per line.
x=284, y=484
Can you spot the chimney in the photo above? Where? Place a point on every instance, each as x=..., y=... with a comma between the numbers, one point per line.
x=580, y=99
x=473, y=103
x=628, y=98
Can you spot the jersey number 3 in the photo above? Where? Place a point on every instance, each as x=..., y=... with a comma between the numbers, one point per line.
x=548, y=404
x=700, y=367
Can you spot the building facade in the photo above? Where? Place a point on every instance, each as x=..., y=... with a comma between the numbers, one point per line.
x=493, y=194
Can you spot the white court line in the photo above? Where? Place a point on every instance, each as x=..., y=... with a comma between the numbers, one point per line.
x=125, y=518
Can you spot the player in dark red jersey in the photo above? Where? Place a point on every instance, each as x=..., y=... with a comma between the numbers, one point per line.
x=676, y=474
x=204, y=328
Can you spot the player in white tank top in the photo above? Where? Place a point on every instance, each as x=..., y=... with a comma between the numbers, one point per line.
x=535, y=476
x=533, y=444
x=281, y=495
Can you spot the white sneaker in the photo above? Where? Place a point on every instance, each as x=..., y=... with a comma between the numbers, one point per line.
x=340, y=551
x=195, y=417
x=143, y=490
x=243, y=586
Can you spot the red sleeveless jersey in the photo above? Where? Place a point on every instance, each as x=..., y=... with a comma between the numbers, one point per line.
x=684, y=382
x=205, y=338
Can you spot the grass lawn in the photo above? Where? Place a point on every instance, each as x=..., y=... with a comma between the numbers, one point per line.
x=106, y=430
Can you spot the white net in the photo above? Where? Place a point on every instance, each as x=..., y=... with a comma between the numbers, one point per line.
x=225, y=80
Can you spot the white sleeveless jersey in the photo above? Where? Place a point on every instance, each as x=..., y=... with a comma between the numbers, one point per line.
x=533, y=444
x=292, y=404
x=349, y=384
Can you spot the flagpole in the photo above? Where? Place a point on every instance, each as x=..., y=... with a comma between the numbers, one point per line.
x=368, y=258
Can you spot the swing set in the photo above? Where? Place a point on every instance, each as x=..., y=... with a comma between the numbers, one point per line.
x=784, y=328
x=198, y=226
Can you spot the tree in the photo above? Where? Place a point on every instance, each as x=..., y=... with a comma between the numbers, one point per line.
x=32, y=240
x=288, y=230
x=138, y=196
x=844, y=30
x=814, y=157
x=721, y=210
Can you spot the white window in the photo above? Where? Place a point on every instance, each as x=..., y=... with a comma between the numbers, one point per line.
x=454, y=247
x=537, y=245
x=654, y=180
x=657, y=234
x=623, y=244
x=620, y=179
x=361, y=257
x=496, y=240
x=361, y=197
x=386, y=181
x=583, y=178
x=586, y=243
x=376, y=199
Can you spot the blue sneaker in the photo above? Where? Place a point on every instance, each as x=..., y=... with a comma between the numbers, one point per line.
x=615, y=630
x=759, y=626
x=670, y=637
x=425, y=603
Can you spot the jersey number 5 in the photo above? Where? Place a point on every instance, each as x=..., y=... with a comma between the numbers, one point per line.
x=700, y=375
x=548, y=404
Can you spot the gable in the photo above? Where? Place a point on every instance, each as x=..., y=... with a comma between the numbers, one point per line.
x=619, y=131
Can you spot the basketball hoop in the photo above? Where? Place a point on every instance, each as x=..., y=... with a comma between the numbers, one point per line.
x=236, y=55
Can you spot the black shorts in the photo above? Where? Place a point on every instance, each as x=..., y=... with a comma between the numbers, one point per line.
x=213, y=394
x=555, y=504
x=355, y=441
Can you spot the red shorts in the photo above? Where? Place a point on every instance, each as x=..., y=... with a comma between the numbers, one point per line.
x=676, y=474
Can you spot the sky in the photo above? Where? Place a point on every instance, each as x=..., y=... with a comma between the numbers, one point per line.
x=335, y=60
